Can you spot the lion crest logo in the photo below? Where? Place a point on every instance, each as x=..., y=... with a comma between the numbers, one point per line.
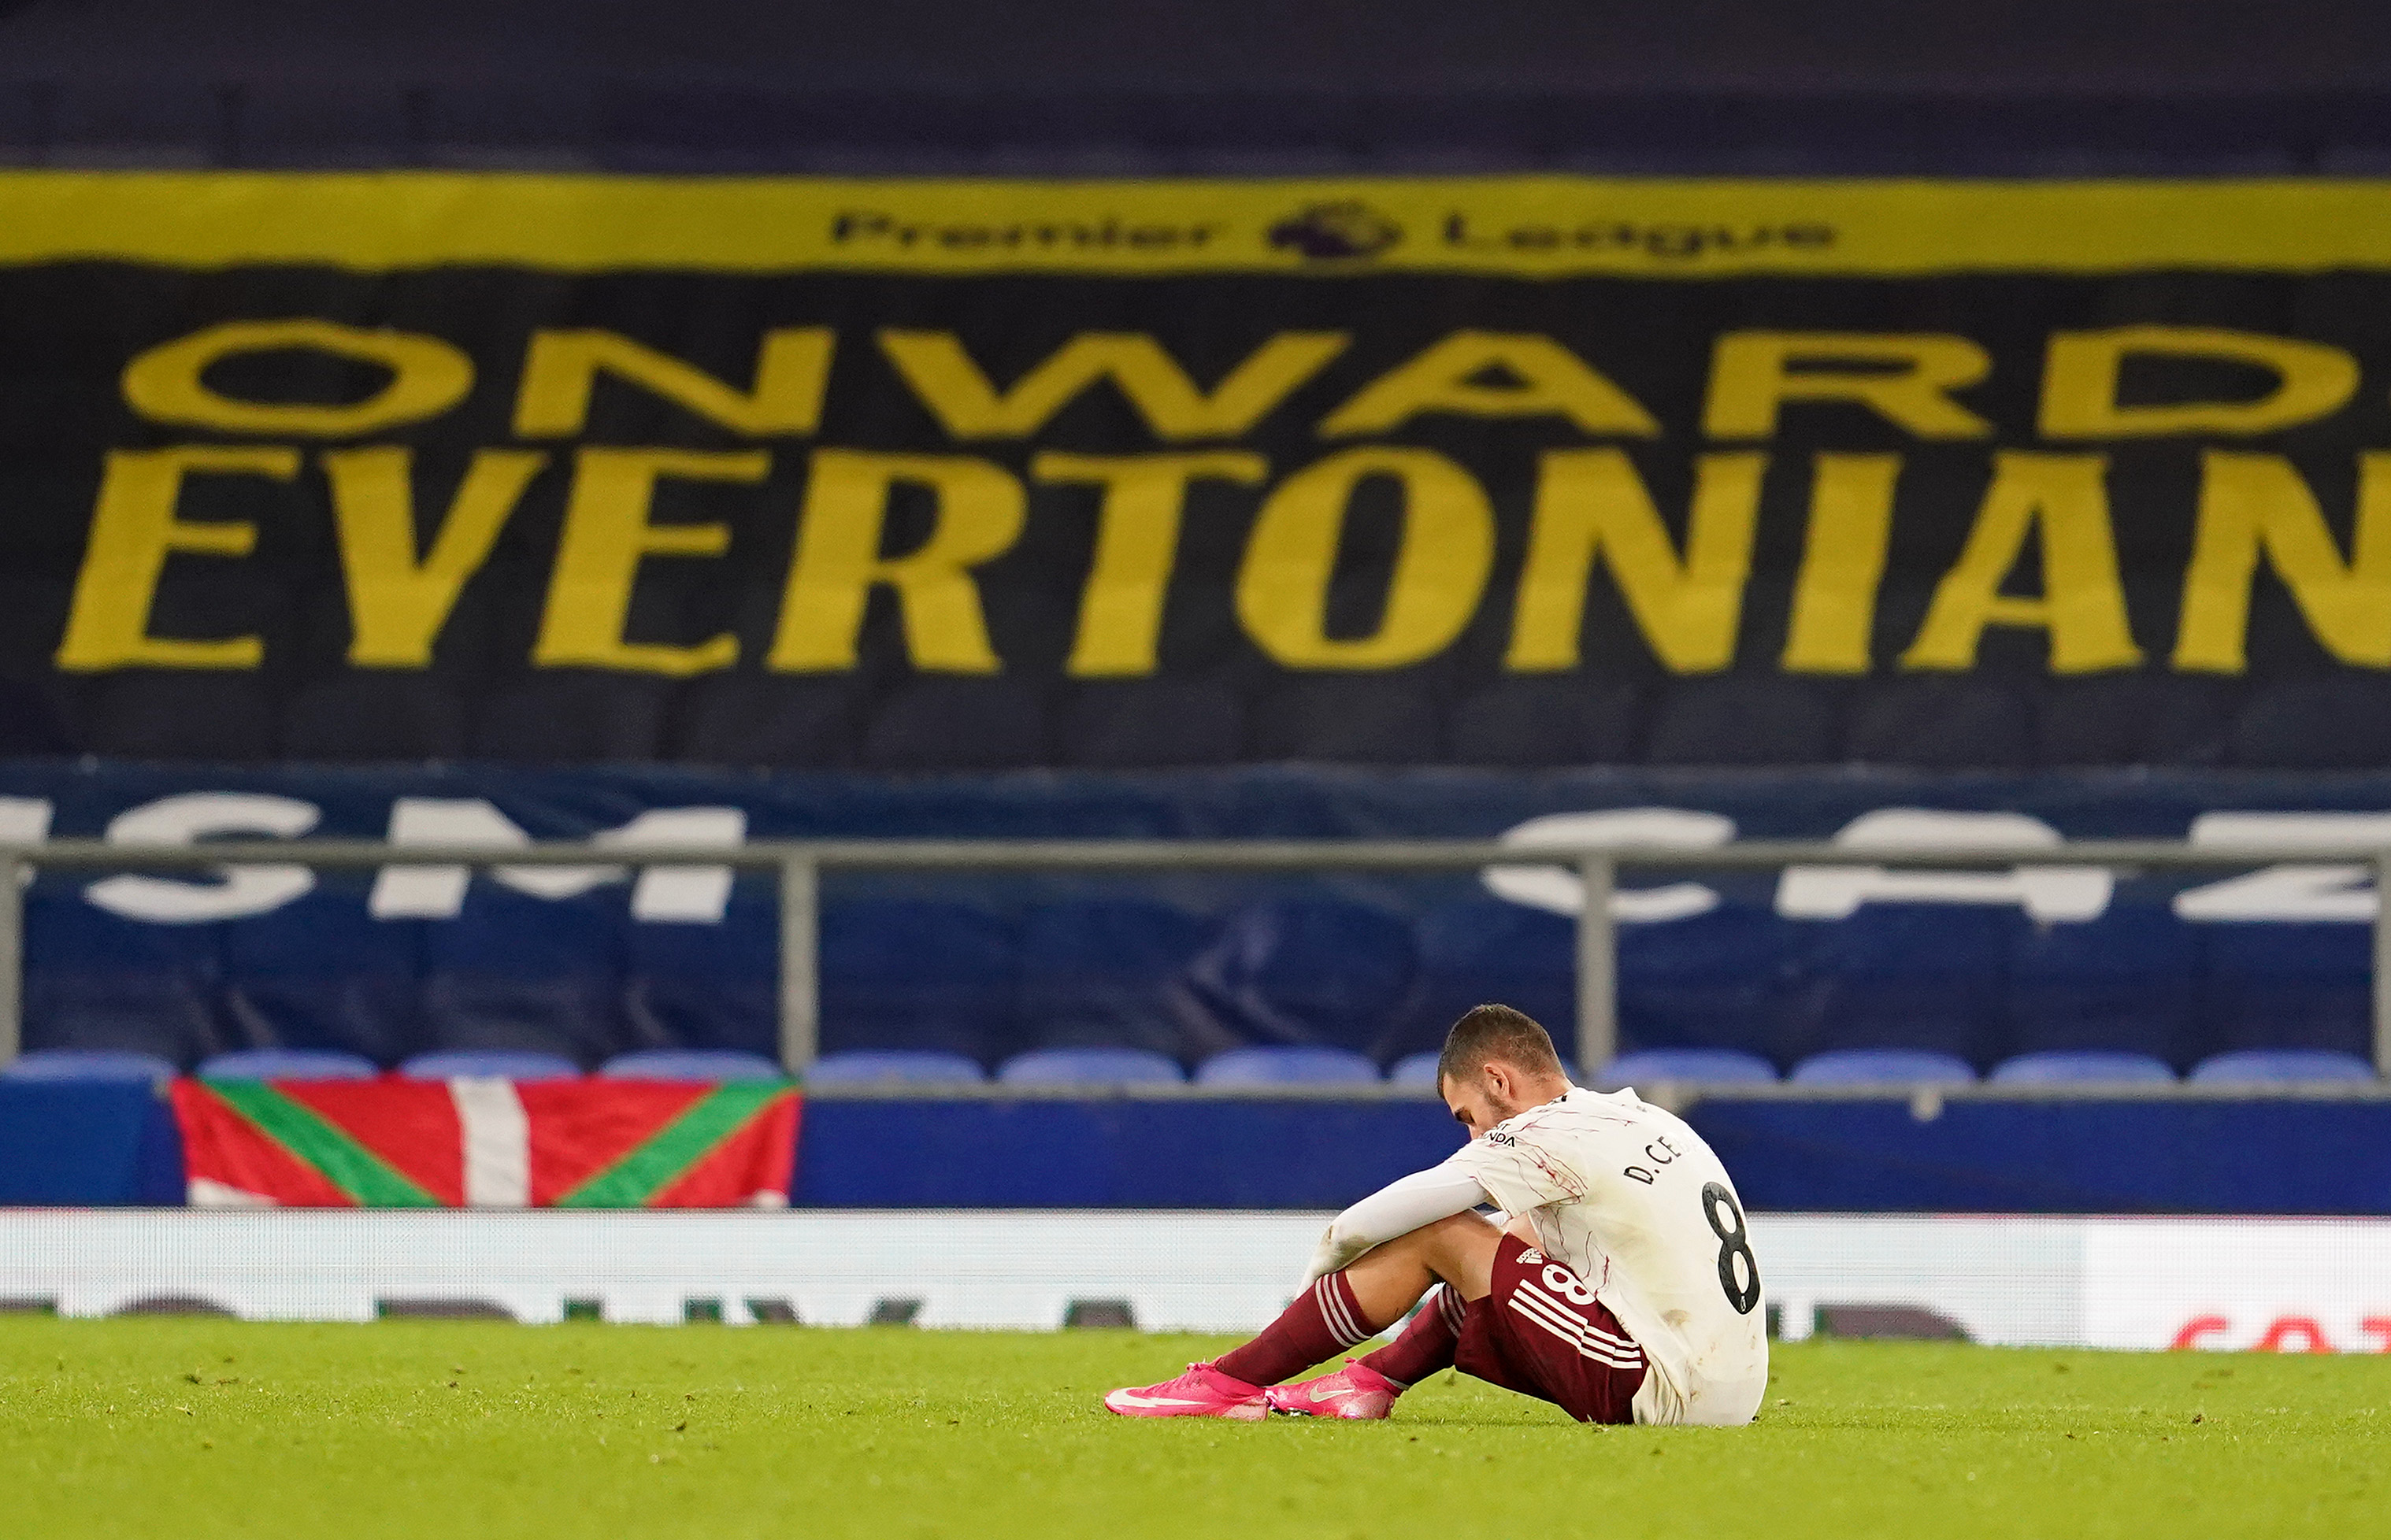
x=1330, y=232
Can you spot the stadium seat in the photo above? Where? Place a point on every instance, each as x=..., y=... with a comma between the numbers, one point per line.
x=690, y=1064
x=936, y=724
x=374, y=715
x=769, y=722
x=322, y=973
x=286, y=1064
x=1692, y=1066
x=1285, y=1066
x=895, y=1067
x=2336, y=722
x=1305, y=971
x=2081, y=1066
x=1941, y=724
x=2281, y=1067
x=1742, y=719
x=182, y=715
x=513, y=971
x=1724, y=978
x=918, y=973
x=1418, y=1071
x=86, y=1064
x=1090, y=1067
x=95, y=980
x=1926, y=976
x=1109, y=972
x=489, y=1063
x=1152, y=724
x=573, y=716
x=1480, y=951
x=2121, y=982
x=694, y=984
x=1882, y=1067
x=1529, y=723
x=2286, y=984
x=1350, y=720
x=2134, y=719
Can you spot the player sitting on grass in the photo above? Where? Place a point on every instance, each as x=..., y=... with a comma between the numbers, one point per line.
x=1623, y=1292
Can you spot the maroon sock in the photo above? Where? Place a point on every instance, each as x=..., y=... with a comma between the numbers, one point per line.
x=1426, y=1344
x=1324, y=1321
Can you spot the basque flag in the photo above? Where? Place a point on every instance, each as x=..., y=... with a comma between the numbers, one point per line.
x=608, y=1144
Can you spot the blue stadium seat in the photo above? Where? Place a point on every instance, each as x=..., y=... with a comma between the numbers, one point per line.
x=1882, y=1067
x=1481, y=951
x=2081, y=1066
x=573, y=716
x=489, y=1063
x=2123, y=981
x=1090, y=1067
x=1109, y=972
x=1351, y=720
x=767, y=721
x=2280, y=1067
x=934, y=723
x=1744, y=719
x=286, y=1064
x=2286, y=984
x=694, y=984
x=1527, y=722
x=1306, y=971
x=690, y=1064
x=1928, y=976
x=1285, y=1066
x=322, y=973
x=86, y=1064
x=918, y=973
x=513, y=971
x=1941, y=724
x=1148, y=723
x=95, y=980
x=1725, y=979
x=1692, y=1066
x=374, y=715
x=896, y=1067
x=1414, y=1071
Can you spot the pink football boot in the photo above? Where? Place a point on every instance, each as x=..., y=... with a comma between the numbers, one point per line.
x=1356, y=1391
x=1203, y=1391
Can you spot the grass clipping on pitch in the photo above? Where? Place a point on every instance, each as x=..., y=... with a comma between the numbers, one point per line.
x=189, y=1429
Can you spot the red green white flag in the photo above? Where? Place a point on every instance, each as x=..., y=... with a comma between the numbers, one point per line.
x=611, y=1143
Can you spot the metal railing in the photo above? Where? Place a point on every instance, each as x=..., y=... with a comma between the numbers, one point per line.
x=800, y=864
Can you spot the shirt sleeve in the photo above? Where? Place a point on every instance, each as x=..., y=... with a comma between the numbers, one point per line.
x=1399, y=1208
x=1516, y=1171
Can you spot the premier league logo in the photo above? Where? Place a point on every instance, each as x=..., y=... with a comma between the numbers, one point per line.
x=1343, y=231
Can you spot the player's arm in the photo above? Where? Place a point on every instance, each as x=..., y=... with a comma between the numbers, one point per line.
x=1396, y=1208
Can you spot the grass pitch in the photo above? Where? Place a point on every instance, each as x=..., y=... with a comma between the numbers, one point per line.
x=189, y=1428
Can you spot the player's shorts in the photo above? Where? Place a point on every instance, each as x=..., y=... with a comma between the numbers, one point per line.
x=1541, y=1331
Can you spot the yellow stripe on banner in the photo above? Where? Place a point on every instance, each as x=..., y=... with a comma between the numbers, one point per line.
x=1527, y=226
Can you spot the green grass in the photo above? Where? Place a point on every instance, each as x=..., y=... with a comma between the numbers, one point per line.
x=194, y=1429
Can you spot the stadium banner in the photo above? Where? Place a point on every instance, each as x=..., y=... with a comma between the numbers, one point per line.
x=487, y=1143
x=1451, y=432
x=2199, y=961
x=2210, y=1283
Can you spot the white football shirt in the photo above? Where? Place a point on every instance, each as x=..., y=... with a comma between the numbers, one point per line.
x=1632, y=1202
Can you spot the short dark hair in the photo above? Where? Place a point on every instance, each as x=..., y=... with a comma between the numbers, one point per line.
x=1489, y=1033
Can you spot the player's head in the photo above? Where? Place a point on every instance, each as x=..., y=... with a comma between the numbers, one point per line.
x=1497, y=1063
